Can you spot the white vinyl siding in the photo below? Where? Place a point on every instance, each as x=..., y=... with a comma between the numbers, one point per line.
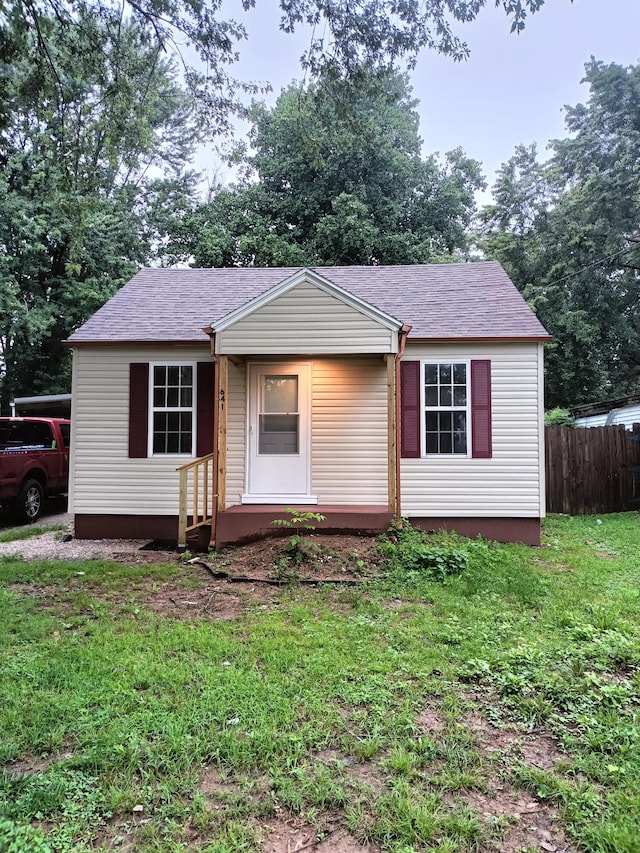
x=103, y=480
x=507, y=485
x=236, y=428
x=626, y=415
x=349, y=431
x=303, y=321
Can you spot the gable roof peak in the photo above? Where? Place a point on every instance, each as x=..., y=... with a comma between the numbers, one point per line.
x=305, y=275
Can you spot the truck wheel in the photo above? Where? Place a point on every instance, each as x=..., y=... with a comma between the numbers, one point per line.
x=29, y=504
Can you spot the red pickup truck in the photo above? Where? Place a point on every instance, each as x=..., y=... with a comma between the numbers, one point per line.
x=34, y=462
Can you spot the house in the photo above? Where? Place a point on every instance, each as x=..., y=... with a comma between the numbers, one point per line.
x=212, y=399
x=621, y=410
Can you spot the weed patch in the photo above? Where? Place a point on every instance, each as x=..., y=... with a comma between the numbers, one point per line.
x=412, y=554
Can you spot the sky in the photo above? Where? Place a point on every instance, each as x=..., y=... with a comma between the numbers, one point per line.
x=510, y=91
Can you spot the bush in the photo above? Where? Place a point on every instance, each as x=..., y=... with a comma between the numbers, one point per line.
x=414, y=553
x=559, y=417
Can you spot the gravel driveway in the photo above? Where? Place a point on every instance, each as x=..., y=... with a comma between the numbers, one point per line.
x=49, y=546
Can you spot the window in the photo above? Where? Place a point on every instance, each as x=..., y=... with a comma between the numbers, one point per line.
x=419, y=399
x=278, y=417
x=446, y=408
x=65, y=429
x=25, y=435
x=172, y=409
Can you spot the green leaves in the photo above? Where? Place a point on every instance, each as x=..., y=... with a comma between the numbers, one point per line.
x=89, y=155
x=412, y=554
x=337, y=177
x=562, y=231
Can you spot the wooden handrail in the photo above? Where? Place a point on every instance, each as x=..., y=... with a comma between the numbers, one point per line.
x=202, y=496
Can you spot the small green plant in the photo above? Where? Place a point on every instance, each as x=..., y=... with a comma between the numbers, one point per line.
x=559, y=417
x=285, y=571
x=21, y=839
x=298, y=521
x=412, y=553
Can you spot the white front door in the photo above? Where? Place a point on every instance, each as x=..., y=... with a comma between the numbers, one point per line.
x=278, y=434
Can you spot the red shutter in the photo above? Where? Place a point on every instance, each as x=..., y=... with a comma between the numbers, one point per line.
x=138, y=410
x=481, y=445
x=410, y=409
x=205, y=404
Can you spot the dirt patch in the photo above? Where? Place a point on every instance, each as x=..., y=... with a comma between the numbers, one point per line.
x=361, y=773
x=515, y=822
x=535, y=748
x=431, y=720
x=219, y=601
x=218, y=587
x=291, y=835
x=212, y=784
x=318, y=558
x=22, y=766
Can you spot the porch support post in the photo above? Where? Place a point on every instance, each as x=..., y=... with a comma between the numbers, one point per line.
x=391, y=431
x=223, y=390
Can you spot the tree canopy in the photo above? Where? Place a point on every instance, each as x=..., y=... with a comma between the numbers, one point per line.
x=82, y=177
x=337, y=177
x=344, y=35
x=567, y=232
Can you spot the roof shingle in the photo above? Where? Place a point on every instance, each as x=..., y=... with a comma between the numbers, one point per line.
x=439, y=301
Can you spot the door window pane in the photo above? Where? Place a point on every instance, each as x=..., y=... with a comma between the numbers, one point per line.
x=278, y=434
x=278, y=419
x=279, y=394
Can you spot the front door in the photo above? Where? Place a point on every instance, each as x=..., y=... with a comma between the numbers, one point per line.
x=278, y=463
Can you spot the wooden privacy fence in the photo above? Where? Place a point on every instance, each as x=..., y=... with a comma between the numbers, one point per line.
x=588, y=470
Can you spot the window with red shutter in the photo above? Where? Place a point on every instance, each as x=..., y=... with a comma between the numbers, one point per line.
x=138, y=410
x=456, y=418
x=410, y=415
x=481, y=440
x=173, y=409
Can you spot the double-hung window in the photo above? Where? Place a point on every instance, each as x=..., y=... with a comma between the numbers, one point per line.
x=172, y=409
x=447, y=399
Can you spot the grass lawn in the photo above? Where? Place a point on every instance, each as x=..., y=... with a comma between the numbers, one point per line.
x=497, y=709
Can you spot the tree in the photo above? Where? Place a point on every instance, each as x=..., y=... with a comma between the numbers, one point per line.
x=344, y=35
x=337, y=177
x=566, y=232
x=83, y=167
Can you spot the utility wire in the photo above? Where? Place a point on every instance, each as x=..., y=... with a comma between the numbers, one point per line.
x=597, y=263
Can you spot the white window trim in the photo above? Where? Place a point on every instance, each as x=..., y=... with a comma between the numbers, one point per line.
x=423, y=410
x=192, y=409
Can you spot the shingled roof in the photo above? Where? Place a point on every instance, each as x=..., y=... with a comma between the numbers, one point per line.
x=439, y=301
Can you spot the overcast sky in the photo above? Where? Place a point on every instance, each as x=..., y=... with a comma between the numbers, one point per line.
x=512, y=88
